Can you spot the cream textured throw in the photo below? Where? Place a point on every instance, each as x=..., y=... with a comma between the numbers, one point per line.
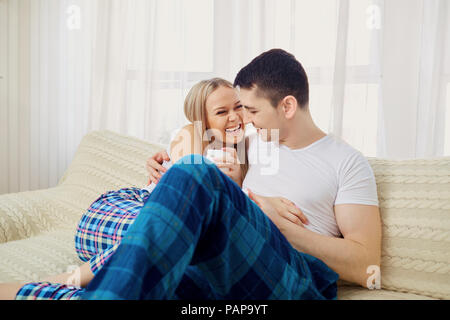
x=37, y=228
x=414, y=200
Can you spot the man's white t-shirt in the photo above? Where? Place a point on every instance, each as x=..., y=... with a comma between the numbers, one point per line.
x=326, y=173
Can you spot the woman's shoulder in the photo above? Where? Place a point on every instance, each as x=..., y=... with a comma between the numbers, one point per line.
x=184, y=142
x=189, y=127
x=181, y=131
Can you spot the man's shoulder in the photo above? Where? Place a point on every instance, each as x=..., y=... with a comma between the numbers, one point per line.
x=339, y=149
x=343, y=156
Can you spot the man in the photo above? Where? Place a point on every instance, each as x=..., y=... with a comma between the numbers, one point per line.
x=211, y=241
x=332, y=182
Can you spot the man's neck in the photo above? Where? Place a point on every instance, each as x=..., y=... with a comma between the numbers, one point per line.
x=302, y=132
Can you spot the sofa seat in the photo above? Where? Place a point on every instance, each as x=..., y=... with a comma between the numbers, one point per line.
x=360, y=293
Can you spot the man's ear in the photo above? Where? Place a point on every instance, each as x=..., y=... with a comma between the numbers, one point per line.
x=289, y=105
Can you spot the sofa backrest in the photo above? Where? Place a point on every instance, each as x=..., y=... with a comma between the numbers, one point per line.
x=106, y=161
x=414, y=199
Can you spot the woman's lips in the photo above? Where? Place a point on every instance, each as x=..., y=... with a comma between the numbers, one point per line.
x=235, y=131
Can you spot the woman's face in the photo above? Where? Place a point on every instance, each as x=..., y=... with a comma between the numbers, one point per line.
x=225, y=115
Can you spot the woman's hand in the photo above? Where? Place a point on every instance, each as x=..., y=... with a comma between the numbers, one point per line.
x=230, y=165
x=154, y=166
x=279, y=210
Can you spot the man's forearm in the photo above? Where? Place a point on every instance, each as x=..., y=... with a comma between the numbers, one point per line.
x=347, y=258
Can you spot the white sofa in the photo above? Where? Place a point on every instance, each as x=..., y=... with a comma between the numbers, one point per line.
x=37, y=228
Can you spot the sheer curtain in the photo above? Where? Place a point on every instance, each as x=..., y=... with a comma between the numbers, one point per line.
x=376, y=68
x=379, y=71
x=44, y=89
x=150, y=53
x=415, y=106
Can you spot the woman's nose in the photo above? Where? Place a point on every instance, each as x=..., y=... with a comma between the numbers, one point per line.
x=232, y=116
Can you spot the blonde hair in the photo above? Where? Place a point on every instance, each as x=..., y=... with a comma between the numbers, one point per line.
x=195, y=105
x=195, y=109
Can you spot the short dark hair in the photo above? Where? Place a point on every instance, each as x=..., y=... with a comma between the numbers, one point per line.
x=277, y=74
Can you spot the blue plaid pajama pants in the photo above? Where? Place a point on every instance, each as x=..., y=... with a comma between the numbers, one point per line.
x=199, y=236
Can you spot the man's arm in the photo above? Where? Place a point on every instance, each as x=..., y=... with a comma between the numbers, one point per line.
x=350, y=257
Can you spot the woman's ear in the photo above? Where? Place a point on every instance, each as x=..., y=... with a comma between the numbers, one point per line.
x=289, y=107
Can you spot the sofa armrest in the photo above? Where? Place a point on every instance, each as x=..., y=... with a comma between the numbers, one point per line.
x=27, y=214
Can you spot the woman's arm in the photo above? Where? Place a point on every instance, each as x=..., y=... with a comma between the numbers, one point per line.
x=186, y=142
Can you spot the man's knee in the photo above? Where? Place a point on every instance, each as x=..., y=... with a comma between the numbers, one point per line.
x=192, y=159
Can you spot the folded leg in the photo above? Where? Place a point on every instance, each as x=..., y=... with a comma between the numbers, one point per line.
x=199, y=219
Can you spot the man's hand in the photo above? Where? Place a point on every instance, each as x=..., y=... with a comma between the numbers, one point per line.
x=154, y=166
x=279, y=210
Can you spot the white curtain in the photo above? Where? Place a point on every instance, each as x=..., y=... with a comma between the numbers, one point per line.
x=45, y=71
x=379, y=71
x=376, y=68
x=415, y=108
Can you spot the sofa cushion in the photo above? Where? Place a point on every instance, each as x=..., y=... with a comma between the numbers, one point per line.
x=414, y=200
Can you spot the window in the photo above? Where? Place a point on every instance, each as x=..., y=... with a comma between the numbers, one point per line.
x=183, y=31
x=187, y=26
x=315, y=32
x=311, y=30
x=362, y=75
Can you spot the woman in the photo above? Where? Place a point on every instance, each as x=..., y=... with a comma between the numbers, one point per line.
x=217, y=121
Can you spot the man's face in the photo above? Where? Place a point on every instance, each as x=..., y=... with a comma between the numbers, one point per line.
x=260, y=112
